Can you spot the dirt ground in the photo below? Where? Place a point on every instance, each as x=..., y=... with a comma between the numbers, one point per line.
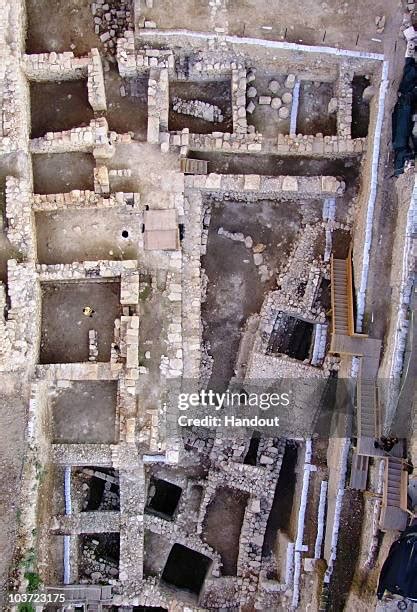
x=64, y=333
x=313, y=116
x=85, y=413
x=156, y=177
x=128, y=113
x=335, y=23
x=222, y=526
x=275, y=165
x=157, y=550
x=70, y=107
x=13, y=402
x=60, y=26
x=62, y=172
x=266, y=119
x=86, y=235
x=235, y=289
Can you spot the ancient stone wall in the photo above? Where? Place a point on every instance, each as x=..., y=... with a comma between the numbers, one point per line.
x=81, y=139
x=132, y=62
x=55, y=66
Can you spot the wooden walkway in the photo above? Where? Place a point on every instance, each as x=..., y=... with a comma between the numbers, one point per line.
x=368, y=415
x=394, y=499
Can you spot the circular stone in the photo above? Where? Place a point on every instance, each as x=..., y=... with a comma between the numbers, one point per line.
x=283, y=112
x=251, y=93
x=276, y=103
x=274, y=86
x=287, y=97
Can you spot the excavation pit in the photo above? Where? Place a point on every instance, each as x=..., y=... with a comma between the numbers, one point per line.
x=251, y=457
x=85, y=412
x=127, y=104
x=58, y=106
x=66, y=236
x=186, y=569
x=223, y=524
x=313, y=116
x=99, y=556
x=98, y=488
x=217, y=93
x=266, y=118
x=152, y=329
x=360, y=107
x=291, y=336
x=62, y=172
x=278, y=165
x=163, y=498
x=64, y=330
x=282, y=505
x=60, y=26
x=236, y=284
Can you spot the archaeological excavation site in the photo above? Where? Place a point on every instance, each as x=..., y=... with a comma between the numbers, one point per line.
x=208, y=244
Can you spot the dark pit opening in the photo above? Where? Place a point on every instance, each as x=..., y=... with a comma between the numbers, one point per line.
x=59, y=106
x=280, y=515
x=163, y=498
x=291, y=336
x=360, y=107
x=125, y=234
x=324, y=295
x=186, y=569
x=252, y=454
x=276, y=165
x=100, y=489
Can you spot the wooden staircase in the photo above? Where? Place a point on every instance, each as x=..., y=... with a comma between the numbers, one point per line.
x=368, y=419
x=340, y=298
x=394, y=498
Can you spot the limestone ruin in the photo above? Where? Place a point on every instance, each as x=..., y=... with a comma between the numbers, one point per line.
x=191, y=207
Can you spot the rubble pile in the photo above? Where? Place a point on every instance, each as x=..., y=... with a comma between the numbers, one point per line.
x=111, y=21
x=198, y=108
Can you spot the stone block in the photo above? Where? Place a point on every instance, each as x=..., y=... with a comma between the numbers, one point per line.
x=252, y=182
x=290, y=183
x=265, y=100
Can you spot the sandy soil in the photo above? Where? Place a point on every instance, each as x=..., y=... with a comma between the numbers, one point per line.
x=55, y=26
x=336, y=23
x=13, y=402
x=85, y=413
x=86, y=235
x=64, y=332
x=62, y=172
